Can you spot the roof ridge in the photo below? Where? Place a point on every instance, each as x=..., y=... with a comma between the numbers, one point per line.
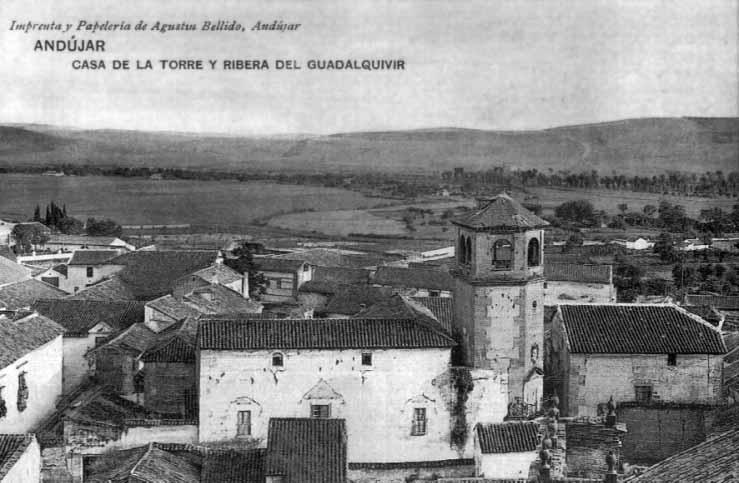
x=150, y=446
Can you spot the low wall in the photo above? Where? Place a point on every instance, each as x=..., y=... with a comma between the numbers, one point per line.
x=409, y=472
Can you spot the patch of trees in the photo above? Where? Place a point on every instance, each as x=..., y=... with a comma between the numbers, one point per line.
x=103, y=227
x=243, y=262
x=28, y=235
x=58, y=220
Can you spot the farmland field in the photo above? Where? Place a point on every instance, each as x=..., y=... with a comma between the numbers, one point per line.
x=144, y=201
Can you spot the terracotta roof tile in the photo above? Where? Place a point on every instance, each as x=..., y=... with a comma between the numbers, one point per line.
x=22, y=294
x=638, y=329
x=350, y=299
x=399, y=307
x=79, y=316
x=176, y=344
x=111, y=289
x=318, y=334
x=234, y=466
x=341, y=275
x=413, y=278
x=19, y=337
x=279, y=265
x=307, y=450
x=513, y=437
x=441, y=307
x=136, y=338
x=219, y=273
x=146, y=463
x=502, y=213
x=11, y=272
x=575, y=272
x=92, y=257
x=12, y=447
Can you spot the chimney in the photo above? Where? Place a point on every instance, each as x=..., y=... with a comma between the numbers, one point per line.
x=245, y=285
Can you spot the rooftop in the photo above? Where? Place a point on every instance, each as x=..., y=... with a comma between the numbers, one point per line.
x=146, y=463
x=441, y=307
x=279, y=265
x=307, y=450
x=638, y=329
x=575, y=272
x=512, y=437
x=234, y=466
x=22, y=336
x=730, y=302
x=320, y=334
x=176, y=344
x=501, y=213
x=399, y=307
x=11, y=272
x=12, y=447
x=333, y=257
x=24, y=293
x=92, y=257
x=341, y=275
x=111, y=289
x=82, y=239
x=219, y=273
x=137, y=338
x=79, y=316
x=350, y=299
x=413, y=278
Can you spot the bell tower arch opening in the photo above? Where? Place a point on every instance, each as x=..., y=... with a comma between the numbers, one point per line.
x=533, y=257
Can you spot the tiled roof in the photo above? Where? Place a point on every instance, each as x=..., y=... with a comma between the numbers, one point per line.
x=441, y=307
x=307, y=450
x=351, y=299
x=22, y=294
x=705, y=312
x=574, y=272
x=82, y=240
x=144, y=464
x=12, y=447
x=341, y=275
x=399, y=307
x=19, y=337
x=318, y=334
x=176, y=344
x=151, y=274
x=105, y=406
x=219, y=273
x=279, y=265
x=234, y=466
x=172, y=307
x=714, y=460
x=717, y=301
x=328, y=257
x=638, y=329
x=513, y=437
x=217, y=299
x=111, y=289
x=136, y=338
x=413, y=278
x=11, y=272
x=325, y=288
x=92, y=257
x=79, y=316
x=501, y=212
x=61, y=269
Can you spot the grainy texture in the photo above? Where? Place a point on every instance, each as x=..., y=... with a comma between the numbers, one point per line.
x=79, y=316
x=514, y=437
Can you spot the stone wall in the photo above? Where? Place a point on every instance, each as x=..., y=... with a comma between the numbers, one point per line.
x=558, y=292
x=409, y=472
x=116, y=368
x=588, y=444
x=170, y=388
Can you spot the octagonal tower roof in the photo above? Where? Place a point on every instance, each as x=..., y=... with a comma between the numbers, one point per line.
x=500, y=213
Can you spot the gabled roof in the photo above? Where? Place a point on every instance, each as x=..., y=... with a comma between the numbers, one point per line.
x=144, y=464
x=12, y=447
x=319, y=334
x=441, y=307
x=234, y=466
x=92, y=257
x=306, y=450
x=79, y=316
x=350, y=299
x=279, y=265
x=333, y=257
x=638, y=329
x=219, y=273
x=111, y=289
x=324, y=288
x=60, y=269
x=176, y=344
x=501, y=213
x=575, y=272
x=341, y=275
x=217, y=299
x=399, y=307
x=11, y=272
x=102, y=405
x=22, y=336
x=730, y=302
x=413, y=278
x=170, y=306
x=135, y=339
x=714, y=460
x=22, y=294
x=512, y=437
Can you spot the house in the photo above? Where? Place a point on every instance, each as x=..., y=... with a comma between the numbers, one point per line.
x=170, y=384
x=414, y=282
x=327, y=281
x=70, y=243
x=383, y=376
x=117, y=361
x=55, y=276
x=223, y=275
x=634, y=244
x=635, y=353
x=20, y=295
x=87, y=323
x=283, y=278
x=711, y=461
x=506, y=450
x=87, y=267
x=30, y=371
x=11, y=272
x=20, y=458
x=306, y=450
x=584, y=283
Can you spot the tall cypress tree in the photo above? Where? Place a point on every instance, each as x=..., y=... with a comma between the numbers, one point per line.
x=37, y=213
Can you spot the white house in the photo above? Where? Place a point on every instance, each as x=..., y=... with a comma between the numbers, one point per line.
x=30, y=371
x=283, y=278
x=87, y=267
x=20, y=458
x=637, y=244
x=390, y=379
x=635, y=353
x=506, y=450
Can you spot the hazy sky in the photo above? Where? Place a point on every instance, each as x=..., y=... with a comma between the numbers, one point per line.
x=487, y=65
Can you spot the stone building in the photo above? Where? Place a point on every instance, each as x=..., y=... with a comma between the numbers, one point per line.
x=499, y=294
x=635, y=353
x=283, y=278
x=87, y=267
x=506, y=450
x=574, y=282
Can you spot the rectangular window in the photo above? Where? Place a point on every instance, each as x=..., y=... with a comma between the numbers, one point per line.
x=322, y=411
x=243, y=423
x=419, y=422
x=89, y=272
x=434, y=293
x=366, y=358
x=671, y=359
x=643, y=394
x=286, y=284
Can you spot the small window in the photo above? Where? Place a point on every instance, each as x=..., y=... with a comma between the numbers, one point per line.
x=243, y=423
x=546, y=285
x=320, y=411
x=277, y=359
x=534, y=253
x=89, y=272
x=502, y=258
x=671, y=359
x=366, y=358
x=643, y=394
x=306, y=267
x=434, y=293
x=419, y=422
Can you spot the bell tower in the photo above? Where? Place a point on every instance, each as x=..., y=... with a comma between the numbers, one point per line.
x=499, y=294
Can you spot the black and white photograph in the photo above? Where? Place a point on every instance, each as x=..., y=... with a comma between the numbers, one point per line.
x=377, y=241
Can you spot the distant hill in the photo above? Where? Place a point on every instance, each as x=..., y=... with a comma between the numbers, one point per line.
x=635, y=146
